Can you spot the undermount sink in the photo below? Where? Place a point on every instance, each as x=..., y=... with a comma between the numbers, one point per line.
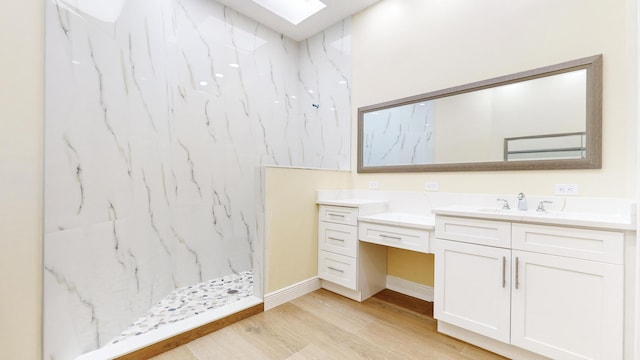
x=515, y=212
x=501, y=211
x=491, y=210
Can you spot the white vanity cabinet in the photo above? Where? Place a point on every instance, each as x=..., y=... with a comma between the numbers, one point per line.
x=555, y=291
x=567, y=308
x=472, y=288
x=346, y=266
x=567, y=299
x=472, y=275
x=337, y=245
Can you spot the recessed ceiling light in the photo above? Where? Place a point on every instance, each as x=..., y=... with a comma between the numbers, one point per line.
x=204, y=83
x=294, y=11
x=234, y=65
x=219, y=75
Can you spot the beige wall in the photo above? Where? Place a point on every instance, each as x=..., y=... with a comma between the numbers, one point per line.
x=291, y=218
x=21, y=84
x=410, y=265
x=407, y=47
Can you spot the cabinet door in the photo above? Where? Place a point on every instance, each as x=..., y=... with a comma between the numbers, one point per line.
x=567, y=308
x=472, y=287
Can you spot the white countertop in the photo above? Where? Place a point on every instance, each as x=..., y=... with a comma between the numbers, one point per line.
x=401, y=219
x=414, y=209
x=592, y=220
x=355, y=202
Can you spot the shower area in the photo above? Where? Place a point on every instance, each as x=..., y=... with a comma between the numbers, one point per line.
x=160, y=116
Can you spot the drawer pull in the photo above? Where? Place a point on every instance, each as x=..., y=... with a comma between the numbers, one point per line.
x=391, y=237
x=336, y=269
x=335, y=238
x=517, y=271
x=504, y=270
x=336, y=215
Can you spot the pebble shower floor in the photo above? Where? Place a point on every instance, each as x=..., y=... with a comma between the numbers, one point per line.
x=191, y=300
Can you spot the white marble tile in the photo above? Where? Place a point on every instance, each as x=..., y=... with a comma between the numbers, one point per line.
x=325, y=81
x=81, y=266
x=154, y=144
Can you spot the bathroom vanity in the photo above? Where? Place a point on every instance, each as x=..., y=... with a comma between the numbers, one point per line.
x=555, y=290
x=353, y=236
x=525, y=284
x=354, y=269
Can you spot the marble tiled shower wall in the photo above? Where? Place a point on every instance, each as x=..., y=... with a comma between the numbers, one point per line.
x=154, y=145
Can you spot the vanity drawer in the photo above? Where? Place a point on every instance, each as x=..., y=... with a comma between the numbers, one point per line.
x=339, y=214
x=338, y=269
x=597, y=245
x=475, y=231
x=395, y=236
x=338, y=238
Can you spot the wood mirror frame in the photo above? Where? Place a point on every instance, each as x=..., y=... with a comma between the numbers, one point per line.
x=593, y=142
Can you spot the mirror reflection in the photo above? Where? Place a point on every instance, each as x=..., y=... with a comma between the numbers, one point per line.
x=547, y=117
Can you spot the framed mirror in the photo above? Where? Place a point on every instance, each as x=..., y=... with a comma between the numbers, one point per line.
x=546, y=118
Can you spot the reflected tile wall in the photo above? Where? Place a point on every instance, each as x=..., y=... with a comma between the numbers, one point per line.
x=159, y=117
x=400, y=135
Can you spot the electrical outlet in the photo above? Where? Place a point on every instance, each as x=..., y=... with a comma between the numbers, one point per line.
x=431, y=186
x=566, y=189
x=373, y=185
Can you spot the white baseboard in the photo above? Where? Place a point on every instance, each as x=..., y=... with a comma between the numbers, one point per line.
x=406, y=287
x=291, y=292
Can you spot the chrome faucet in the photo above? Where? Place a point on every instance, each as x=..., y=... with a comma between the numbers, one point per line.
x=505, y=204
x=541, y=206
x=522, y=202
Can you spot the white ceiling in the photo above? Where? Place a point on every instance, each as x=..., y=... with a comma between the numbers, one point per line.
x=335, y=11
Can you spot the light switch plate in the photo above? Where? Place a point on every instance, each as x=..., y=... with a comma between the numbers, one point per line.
x=431, y=186
x=566, y=189
x=373, y=185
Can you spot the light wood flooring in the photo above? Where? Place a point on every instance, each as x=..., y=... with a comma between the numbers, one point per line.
x=323, y=325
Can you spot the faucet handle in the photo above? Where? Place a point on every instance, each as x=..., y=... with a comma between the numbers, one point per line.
x=541, y=205
x=505, y=204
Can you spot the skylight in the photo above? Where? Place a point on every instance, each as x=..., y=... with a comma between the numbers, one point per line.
x=294, y=11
